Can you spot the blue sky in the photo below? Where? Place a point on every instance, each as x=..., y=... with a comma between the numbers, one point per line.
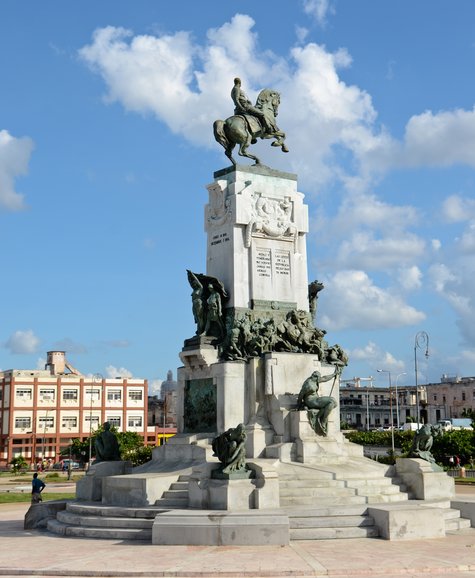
x=106, y=146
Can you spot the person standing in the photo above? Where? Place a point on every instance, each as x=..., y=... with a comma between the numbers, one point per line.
x=37, y=486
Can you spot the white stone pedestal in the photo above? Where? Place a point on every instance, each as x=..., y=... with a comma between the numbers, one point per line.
x=259, y=492
x=426, y=481
x=256, y=224
x=90, y=486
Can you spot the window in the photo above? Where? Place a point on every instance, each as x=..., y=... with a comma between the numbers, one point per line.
x=46, y=422
x=114, y=395
x=444, y=399
x=47, y=394
x=464, y=397
x=23, y=393
x=435, y=397
x=92, y=394
x=94, y=419
x=69, y=421
x=114, y=420
x=70, y=394
x=135, y=421
x=23, y=422
x=135, y=394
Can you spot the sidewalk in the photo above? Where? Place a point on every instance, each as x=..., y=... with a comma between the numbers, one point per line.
x=37, y=553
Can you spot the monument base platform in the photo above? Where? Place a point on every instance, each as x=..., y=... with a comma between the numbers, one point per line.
x=218, y=528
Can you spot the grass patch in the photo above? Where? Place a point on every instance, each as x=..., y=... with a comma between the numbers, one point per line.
x=17, y=497
x=465, y=481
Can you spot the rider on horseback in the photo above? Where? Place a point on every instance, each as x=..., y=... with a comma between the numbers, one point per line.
x=244, y=106
x=249, y=123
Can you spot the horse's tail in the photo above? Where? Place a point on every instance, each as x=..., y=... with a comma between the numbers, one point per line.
x=220, y=134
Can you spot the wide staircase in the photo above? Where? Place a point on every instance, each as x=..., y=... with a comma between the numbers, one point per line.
x=95, y=520
x=331, y=500
x=322, y=501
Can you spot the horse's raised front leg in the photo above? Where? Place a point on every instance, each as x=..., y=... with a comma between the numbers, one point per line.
x=279, y=141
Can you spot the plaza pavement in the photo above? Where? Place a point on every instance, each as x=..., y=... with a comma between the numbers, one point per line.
x=38, y=553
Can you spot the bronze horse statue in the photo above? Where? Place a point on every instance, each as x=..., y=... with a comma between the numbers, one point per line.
x=244, y=129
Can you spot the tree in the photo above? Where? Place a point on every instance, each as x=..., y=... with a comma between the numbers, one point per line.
x=130, y=444
x=18, y=463
x=459, y=443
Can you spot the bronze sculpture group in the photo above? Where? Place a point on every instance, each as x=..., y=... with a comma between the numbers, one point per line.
x=318, y=406
x=106, y=445
x=207, y=298
x=230, y=448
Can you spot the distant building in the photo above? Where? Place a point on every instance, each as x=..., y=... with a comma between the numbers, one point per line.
x=451, y=397
x=363, y=406
x=41, y=410
x=162, y=410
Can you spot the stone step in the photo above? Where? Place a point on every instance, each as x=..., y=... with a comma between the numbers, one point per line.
x=333, y=533
x=322, y=500
x=71, y=519
x=173, y=503
x=57, y=527
x=371, y=483
x=327, y=510
x=386, y=498
x=318, y=492
x=453, y=521
x=175, y=494
x=305, y=476
x=97, y=509
x=179, y=485
x=183, y=478
x=331, y=522
x=368, y=491
x=457, y=524
x=316, y=483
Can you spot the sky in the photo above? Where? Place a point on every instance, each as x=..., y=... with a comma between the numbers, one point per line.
x=106, y=148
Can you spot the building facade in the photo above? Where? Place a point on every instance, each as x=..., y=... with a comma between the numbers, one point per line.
x=363, y=406
x=451, y=397
x=42, y=410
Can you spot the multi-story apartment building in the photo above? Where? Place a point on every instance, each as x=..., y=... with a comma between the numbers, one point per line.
x=364, y=406
x=42, y=410
x=451, y=396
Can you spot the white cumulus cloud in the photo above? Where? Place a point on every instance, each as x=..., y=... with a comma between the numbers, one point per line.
x=353, y=300
x=410, y=278
x=14, y=158
x=457, y=209
x=376, y=357
x=112, y=371
x=319, y=9
x=186, y=86
x=23, y=342
x=440, y=139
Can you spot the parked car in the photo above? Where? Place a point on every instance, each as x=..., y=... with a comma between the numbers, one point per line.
x=64, y=465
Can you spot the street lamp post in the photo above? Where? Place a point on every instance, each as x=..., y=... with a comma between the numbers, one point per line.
x=390, y=405
x=70, y=459
x=397, y=398
x=421, y=339
x=367, y=409
x=97, y=377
